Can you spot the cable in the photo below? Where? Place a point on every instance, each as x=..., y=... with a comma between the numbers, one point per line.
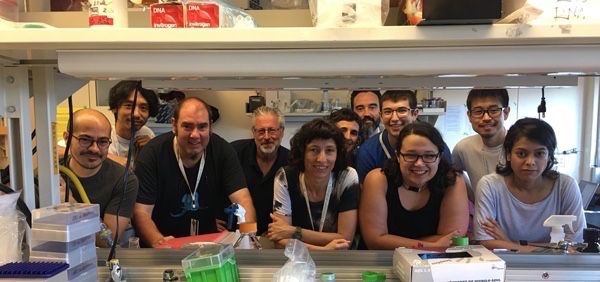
x=541, y=109
x=138, y=89
x=68, y=146
x=76, y=182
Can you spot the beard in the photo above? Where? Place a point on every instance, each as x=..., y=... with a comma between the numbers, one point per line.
x=372, y=124
x=268, y=150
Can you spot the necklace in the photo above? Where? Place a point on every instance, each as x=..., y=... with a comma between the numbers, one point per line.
x=413, y=188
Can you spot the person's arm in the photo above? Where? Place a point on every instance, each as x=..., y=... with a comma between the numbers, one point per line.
x=373, y=218
x=242, y=197
x=454, y=211
x=281, y=230
x=145, y=227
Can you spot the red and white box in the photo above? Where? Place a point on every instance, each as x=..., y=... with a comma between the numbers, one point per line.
x=202, y=14
x=167, y=15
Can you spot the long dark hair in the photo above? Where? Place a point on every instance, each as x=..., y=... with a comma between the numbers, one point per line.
x=317, y=129
x=446, y=173
x=537, y=131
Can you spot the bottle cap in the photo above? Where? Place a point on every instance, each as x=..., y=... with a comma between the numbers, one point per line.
x=328, y=276
x=369, y=276
x=460, y=241
x=248, y=227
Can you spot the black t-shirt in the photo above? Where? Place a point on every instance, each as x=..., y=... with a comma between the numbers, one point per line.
x=162, y=185
x=411, y=224
x=261, y=187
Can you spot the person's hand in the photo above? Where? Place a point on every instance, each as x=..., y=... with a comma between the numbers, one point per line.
x=221, y=225
x=279, y=229
x=338, y=244
x=162, y=241
x=493, y=229
x=141, y=140
x=446, y=240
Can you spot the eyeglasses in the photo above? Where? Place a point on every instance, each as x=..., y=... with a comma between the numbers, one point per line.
x=402, y=111
x=492, y=112
x=427, y=158
x=86, y=142
x=263, y=131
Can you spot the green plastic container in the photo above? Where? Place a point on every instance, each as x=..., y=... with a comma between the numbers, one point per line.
x=211, y=263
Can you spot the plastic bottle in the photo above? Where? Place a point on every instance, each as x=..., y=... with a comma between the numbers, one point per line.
x=325, y=105
x=557, y=222
x=108, y=13
x=105, y=234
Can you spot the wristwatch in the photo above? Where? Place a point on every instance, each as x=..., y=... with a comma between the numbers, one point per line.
x=298, y=234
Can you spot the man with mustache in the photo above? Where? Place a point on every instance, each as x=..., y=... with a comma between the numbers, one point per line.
x=366, y=104
x=120, y=102
x=101, y=178
x=479, y=154
x=398, y=108
x=261, y=157
x=187, y=178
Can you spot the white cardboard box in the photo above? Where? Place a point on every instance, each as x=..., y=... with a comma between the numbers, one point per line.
x=467, y=263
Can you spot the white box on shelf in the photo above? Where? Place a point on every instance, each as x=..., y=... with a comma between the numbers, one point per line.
x=465, y=263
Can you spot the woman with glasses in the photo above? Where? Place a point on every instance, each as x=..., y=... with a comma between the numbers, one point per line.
x=418, y=199
x=316, y=195
x=512, y=203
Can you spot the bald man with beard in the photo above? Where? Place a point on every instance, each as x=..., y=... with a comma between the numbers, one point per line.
x=101, y=178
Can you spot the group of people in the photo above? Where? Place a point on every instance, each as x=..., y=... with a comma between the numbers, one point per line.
x=396, y=185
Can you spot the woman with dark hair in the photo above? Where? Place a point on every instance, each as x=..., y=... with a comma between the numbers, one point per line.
x=316, y=195
x=418, y=199
x=512, y=204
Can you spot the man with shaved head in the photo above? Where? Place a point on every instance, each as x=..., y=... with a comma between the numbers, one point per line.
x=101, y=178
x=187, y=178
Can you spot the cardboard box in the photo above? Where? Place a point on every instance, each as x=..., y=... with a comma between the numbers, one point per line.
x=457, y=264
x=441, y=12
x=168, y=15
x=201, y=15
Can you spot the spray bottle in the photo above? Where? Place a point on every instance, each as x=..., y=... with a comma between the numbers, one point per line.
x=557, y=222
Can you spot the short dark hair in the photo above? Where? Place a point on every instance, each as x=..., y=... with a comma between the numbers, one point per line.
x=317, y=129
x=446, y=173
x=346, y=114
x=188, y=100
x=400, y=95
x=537, y=131
x=119, y=93
x=498, y=93
x=356, y=92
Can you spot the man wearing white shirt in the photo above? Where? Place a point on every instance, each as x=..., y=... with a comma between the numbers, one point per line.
x=121, y=104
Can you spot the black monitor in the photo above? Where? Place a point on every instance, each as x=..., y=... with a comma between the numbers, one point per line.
x=588, y=191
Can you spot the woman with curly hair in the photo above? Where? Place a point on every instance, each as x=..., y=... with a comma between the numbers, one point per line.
x=316, y=195
x=418, y=199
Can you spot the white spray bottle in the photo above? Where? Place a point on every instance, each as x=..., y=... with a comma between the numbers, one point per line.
x=557, y=222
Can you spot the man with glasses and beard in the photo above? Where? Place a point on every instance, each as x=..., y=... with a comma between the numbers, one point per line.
x=366, y=104
x=187, y=178
x=260, y=158
x=101, y=178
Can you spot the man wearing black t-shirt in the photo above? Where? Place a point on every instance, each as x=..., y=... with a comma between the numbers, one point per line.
x=187, y=178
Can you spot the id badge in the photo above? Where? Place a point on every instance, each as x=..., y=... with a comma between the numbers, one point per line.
x=194, y=226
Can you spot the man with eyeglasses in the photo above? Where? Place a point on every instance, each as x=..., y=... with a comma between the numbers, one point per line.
x=366, y=104
x=187, y=178
x=479, y=154
x=398, y=109
x=261, y=157
x=101, y=178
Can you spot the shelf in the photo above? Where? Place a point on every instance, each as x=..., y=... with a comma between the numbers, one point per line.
x=196, y=57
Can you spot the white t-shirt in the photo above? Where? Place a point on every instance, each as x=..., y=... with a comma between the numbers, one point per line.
x=120, y=146
x=476, y=158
